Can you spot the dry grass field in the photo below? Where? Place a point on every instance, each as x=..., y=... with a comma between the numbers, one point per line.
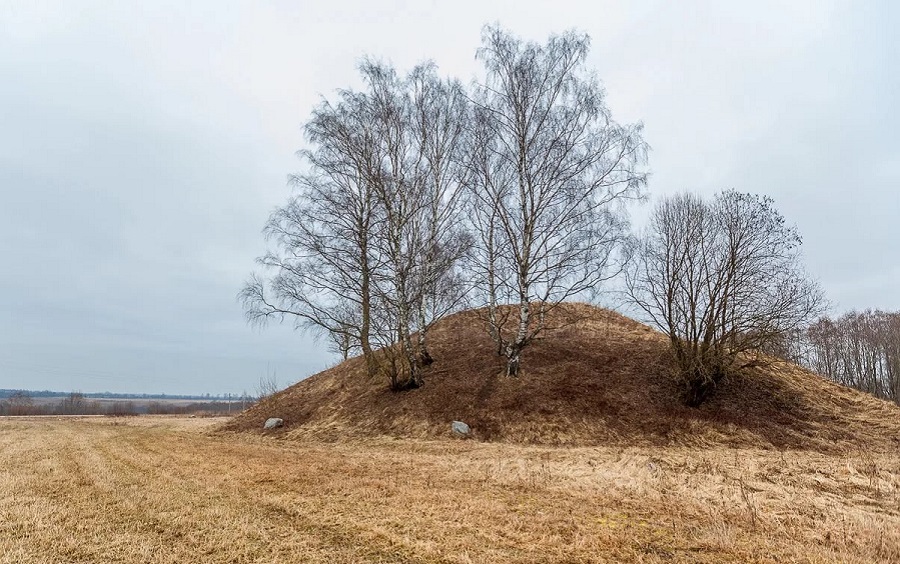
x=157, y=489
x=588, y=457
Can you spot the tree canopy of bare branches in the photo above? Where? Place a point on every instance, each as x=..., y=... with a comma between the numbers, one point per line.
x=323, y=263
x=367, y=248
x=720, y=278
x=858, y=349
x=547, y=168
x=521, y=180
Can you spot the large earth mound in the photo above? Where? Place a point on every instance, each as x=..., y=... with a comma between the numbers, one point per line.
x=595, y=377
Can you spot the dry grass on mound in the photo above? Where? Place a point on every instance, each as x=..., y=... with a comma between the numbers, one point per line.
x=595, y=377
x=163, y=491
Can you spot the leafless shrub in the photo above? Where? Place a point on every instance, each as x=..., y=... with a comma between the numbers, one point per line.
x=121, y=409
x=721, y=279
x=267, y=385
x=19, y=403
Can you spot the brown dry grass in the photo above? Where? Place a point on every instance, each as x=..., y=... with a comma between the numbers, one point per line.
x=168, y=490
x=780, y=466
x=597, y=378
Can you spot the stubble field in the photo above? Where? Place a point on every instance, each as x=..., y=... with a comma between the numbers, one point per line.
x=163, y=489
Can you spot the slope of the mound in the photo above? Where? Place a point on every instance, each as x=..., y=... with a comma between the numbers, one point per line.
x=595, y=377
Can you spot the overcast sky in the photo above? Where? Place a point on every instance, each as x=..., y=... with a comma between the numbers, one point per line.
x=142, y=148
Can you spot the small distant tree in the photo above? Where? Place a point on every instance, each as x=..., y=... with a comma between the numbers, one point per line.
x=720, y=278
x=267, y=385
x=548, y=170
x=73, y=404
x=20, y=403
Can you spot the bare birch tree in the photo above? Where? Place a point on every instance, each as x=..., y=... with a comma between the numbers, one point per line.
x=367, y=249
x=325, y=260
x=418, y=121
x=548, y=170
x=440, y=117
x=720, y=279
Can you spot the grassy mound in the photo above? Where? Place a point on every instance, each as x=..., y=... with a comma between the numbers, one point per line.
x=595, y=377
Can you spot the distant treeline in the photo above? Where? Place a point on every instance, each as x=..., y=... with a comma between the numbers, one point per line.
x=6, y=393
x=22, y=403
x=858, y=349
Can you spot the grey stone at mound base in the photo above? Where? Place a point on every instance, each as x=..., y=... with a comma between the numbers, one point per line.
x=459, y=429
x=273, y=422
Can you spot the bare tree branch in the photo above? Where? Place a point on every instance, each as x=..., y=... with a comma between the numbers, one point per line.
x=546, y=170
x=720, y=279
